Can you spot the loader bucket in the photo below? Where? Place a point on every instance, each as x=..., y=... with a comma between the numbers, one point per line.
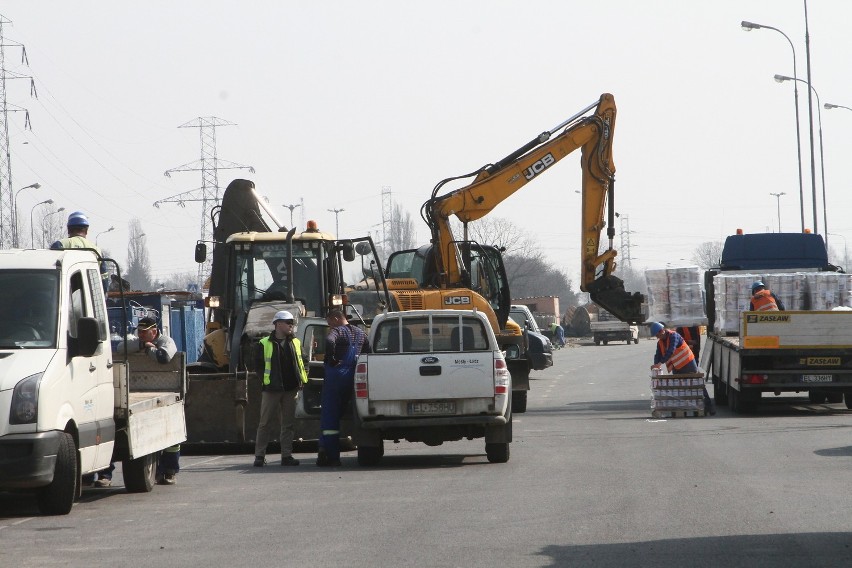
x=608, y=292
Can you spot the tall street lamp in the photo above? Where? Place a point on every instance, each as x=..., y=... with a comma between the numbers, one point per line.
x=781, y=79
x=291, y=207
x=748, y=26
x=336, y=219
x=107, y=231
x=32, y=228
x=829, y=106
x=46, y=223
x=778, y=201
x=15, y=211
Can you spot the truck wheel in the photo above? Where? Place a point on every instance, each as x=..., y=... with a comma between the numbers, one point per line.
x=741, y=403
x=720, y=392
x=605, y=341
x=597, y=341
x=370, y=455
x=834, y=397
x=519, y=402
x=636, y=341
x=816, y=397
x=58, y=497
x=498, y=452
x=847, y=397
x=140, y=474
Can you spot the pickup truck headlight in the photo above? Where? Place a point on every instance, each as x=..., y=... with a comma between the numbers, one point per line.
x=25, y=401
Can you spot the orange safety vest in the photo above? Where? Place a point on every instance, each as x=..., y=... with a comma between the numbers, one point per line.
x=687, y=334
x=681, y=356
x=764, y=302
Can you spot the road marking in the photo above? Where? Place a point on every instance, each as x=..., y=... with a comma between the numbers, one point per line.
x=214, y=458
x=16, y=523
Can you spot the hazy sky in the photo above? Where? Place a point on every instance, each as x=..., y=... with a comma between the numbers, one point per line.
x=334, y=100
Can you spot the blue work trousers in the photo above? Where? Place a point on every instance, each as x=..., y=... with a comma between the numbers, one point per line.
x=336, y=397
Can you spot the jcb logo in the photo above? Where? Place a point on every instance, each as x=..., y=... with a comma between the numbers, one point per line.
x=539, y=166
x=456, y=300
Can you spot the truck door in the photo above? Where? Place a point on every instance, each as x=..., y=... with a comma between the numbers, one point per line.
x=91, y=377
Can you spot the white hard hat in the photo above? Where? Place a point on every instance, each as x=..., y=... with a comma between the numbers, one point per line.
x=283, y=315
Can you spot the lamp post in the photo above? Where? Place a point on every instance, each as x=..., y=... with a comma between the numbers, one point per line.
x=15, y=211
x=748, y=26
x=32, y=228
x=336, y=218
x=291, y=207
x=778, y=201
x=829, y=106
x=107, y=231
x=46, y=217
x=781, y=79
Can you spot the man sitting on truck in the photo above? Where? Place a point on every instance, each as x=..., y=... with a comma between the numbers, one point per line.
x=678, y=357
x=763, y=299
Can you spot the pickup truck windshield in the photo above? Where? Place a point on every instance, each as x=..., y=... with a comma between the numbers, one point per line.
x=432, y=333
x=28, y=308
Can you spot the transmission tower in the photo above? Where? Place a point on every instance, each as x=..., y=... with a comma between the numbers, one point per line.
x=208, y=194
x=387, y=221
x=625, y=240
x=8, y=220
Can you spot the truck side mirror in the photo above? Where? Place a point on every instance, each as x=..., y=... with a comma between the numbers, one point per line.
x=348, y=251
x=363, y=248
x=88, y=331
x=200, y=252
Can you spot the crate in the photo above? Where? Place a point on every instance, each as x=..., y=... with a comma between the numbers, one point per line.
x=677, y=396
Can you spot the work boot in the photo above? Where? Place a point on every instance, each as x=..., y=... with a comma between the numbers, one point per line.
x=259, y=461
x=169, y=478
x=289, y=460
x=103, y=482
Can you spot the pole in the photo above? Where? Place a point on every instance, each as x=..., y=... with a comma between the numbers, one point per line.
x=778, y=201
x=811, y=116
x=291, y=207
x=336, y=218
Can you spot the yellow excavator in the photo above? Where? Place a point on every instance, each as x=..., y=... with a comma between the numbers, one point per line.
x=463, y=274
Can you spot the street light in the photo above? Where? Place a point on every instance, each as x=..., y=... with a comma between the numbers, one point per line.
x=46, y=217
x=829, y=106
x=336, y=218
x=291, y=207
x=15, y=211
x=748, y=26
x=32, y=229
x=781, y=79
x=778, y=201
x=107, y=231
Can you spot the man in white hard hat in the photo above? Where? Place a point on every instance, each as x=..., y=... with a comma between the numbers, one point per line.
x=279, y=364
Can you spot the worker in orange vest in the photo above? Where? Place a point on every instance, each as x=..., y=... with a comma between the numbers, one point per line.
x=763, y=299
x=677, y=356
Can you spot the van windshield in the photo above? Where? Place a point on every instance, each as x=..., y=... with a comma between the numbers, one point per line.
x=28, y=308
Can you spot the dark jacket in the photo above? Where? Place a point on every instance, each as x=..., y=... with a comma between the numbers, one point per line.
x=286, y=371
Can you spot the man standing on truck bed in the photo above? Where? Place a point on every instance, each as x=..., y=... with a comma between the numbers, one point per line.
x=763, y=299
x=78, y=229
x=678, y=357
x=343, y=344
x=280, y=360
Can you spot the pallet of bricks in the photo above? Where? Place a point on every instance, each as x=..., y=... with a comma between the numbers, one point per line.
x=677, y=396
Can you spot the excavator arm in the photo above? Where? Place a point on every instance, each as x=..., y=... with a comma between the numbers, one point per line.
x=493, y=183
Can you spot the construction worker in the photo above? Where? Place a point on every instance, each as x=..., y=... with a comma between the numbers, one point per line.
x=673, y=351
x=78, y=228
x=692, y=336
x=280, y=358
x=343, y=344
x=558, y=334
x=763, y=299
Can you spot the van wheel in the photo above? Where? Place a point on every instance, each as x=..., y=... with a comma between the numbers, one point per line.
x=519, y=402
x=58, y=497
x=370, y=455
x=140, y=474
x=498, y=452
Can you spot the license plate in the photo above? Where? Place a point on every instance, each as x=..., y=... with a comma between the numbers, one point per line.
x=816, y=378
x=417, y=408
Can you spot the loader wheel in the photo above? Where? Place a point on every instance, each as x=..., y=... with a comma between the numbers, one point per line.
x=58, y=497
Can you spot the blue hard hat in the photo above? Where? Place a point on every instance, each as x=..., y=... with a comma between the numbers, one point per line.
x=78, y=219
x=656, y=328
x=757, y=285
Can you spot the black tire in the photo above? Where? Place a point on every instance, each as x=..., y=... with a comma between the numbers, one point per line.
x=370, y=455
x=817, y=397
x=834, y=397
x=58, y=497
x=597, y=341
x=636, y=341
x=519, y=402
x=140, y=474
x=497, y=452
x=742, y=403
x=847, y=397
x=605, y=341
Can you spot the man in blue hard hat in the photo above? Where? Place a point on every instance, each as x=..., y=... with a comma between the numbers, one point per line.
x=763, y=299
x=679, y=359
x=78, y=229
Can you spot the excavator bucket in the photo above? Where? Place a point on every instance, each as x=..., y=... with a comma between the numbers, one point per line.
x=608, y=292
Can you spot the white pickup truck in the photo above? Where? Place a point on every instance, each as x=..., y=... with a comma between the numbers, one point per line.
x=69, y=406
x=434, y=376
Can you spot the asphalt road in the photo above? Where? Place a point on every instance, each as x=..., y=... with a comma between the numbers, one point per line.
x=592, y=481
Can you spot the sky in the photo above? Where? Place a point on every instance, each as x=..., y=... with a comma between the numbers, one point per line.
x=330, y=102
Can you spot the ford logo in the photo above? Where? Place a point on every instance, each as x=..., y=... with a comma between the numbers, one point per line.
x=429, y=360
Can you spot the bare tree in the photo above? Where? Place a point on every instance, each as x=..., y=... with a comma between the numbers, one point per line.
x=180, y=281
x=708, y=254
x=402, y=235
x=138, y=266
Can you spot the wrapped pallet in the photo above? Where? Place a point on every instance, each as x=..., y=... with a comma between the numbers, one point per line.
x=676, y=296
